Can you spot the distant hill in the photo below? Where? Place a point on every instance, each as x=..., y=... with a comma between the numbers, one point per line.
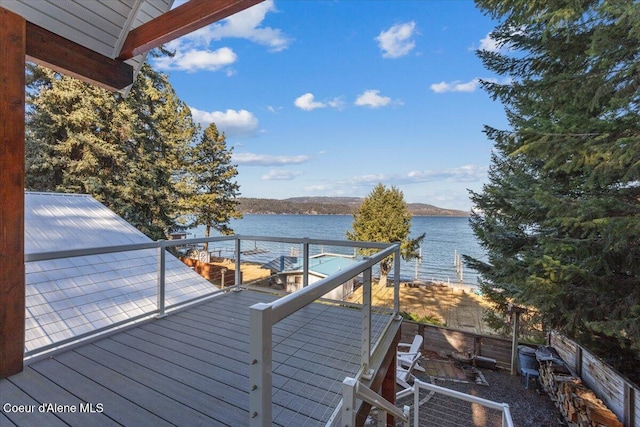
x=329, y=206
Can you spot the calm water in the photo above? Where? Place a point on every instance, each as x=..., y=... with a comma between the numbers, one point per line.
x=445, y=236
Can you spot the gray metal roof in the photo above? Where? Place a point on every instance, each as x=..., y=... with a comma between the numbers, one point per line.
x=71, y=296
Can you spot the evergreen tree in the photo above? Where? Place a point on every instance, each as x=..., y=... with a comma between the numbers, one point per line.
x=164, y=130
x=126, y=151
x=384, y=217
x=75, y=137
x=213, y=193
x=560, y=217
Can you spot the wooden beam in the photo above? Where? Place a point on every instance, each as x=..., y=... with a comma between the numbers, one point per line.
x=387, y=364
x=182, y=20
x=12, y=145
x=389, y=387
x=53, y=51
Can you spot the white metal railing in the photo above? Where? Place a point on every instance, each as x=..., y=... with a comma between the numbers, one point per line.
x=447, y=412
x=264, y=316
x=353, y=389
x=161, y=247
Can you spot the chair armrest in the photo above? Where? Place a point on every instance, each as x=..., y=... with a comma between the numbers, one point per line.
x=406, y=353
x=403, y=345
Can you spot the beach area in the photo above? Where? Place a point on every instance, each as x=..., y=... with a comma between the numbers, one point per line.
x=456, y=307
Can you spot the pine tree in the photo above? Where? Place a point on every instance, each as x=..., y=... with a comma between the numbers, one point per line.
x=164, y=130
x=560, y=217
x=75, y=135
x=126, y=151
x=384, y=217
x=212, y=199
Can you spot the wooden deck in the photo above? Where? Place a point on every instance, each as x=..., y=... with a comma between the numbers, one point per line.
x=191, y=368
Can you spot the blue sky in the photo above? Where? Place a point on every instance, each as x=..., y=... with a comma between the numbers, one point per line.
x=329, y=98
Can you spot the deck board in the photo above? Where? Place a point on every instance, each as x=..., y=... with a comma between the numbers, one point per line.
x=115, y=406
x=14, y=395
x=191, y=368
x=47, y=392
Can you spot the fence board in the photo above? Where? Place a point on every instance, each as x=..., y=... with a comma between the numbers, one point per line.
x=445, y=341
x=620, y=395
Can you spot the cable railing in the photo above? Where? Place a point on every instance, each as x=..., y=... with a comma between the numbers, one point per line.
x=264, y=316
x=445, y=407
x=158, y=297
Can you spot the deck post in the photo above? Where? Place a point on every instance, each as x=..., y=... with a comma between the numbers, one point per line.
x=366, y=324
x=396, y=281
x=12, y=169
x=305, y=262
x=349, y=402
x=238, y=275
x=161, y=279
x=260, y=364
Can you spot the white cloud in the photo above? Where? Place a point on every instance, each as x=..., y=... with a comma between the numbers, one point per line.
x=280, y=175
x=489, y=44
x=252, y=159
x=193, y=51
x=372, y=98
x=397, y=41
x=455, y=86
x=307, y=102
x=466, y=173
x=231, y=122
x=370, y=179
x=196, y=60
x=247, y=25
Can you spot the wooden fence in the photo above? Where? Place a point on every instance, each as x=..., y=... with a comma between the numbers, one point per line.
x=620, y=395
x=445, y=341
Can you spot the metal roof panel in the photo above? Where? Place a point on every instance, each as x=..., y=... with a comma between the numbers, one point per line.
x=70, y=296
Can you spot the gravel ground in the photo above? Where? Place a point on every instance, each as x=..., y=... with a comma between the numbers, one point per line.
x=529, y=407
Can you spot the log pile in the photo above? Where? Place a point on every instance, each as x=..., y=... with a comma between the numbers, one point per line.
x=579, y=405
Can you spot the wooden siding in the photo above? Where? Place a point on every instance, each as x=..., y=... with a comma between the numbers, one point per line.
x=191, y=368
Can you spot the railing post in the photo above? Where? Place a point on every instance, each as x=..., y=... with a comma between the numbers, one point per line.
x=260, y=358
x=365, y=349
x=629, y=406
x=238, y=275
x=396, y=281
x=506, y=416
x=348, y=402
x=305, y=262
x=161, y=279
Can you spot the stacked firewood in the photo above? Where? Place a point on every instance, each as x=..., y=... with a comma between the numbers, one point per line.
x=579, y=405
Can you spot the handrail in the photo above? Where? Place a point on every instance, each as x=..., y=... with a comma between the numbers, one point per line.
x=353, y=389
x=50, y=255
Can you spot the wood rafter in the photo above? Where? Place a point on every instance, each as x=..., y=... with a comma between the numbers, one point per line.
x=182, y=20
x=60, y=54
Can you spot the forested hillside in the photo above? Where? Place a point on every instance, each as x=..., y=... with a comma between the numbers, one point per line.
x=329, y=206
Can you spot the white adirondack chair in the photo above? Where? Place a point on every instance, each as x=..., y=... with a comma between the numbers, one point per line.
x=410, y=352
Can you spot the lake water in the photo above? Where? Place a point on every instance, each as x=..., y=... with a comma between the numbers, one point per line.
x=445, y=237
